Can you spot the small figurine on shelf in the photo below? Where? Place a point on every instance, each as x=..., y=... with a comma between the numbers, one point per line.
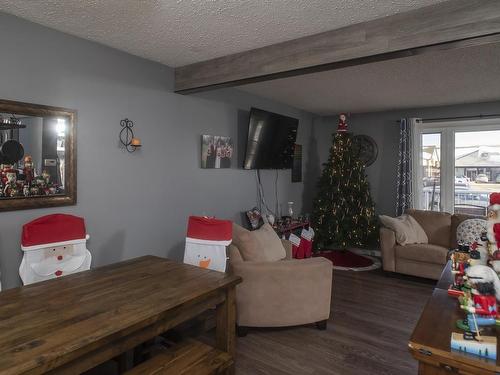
x=46, y=177
x=28, y=169
x=481, y=302
x=3, y=173
x=40, y=182
x=11, y=189
x=34, y=188
x=26, y=190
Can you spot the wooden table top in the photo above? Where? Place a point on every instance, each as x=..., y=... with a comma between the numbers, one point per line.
x=41, y=323
x=438, y=320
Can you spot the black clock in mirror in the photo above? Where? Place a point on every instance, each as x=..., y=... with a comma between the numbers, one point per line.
x=365, y=148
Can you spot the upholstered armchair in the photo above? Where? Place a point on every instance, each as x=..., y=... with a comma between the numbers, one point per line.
x=286, y=292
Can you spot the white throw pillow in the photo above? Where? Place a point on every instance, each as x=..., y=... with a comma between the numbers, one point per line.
x=407, y=229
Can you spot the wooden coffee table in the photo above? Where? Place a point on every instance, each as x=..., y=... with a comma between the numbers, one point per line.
x=430, y=342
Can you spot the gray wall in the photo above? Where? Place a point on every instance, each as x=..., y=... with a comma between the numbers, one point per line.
x=383, y=127
x=138, y=203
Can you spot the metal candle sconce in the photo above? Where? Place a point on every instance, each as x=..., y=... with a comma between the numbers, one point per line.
x=127, y=138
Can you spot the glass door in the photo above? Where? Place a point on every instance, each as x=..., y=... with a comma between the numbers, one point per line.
x=477, y=170
x=430, y=172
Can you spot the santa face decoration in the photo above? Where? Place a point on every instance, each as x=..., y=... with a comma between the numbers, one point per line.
x=53, y=246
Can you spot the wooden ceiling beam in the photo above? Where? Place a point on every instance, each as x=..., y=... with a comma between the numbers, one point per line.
x=447, y=25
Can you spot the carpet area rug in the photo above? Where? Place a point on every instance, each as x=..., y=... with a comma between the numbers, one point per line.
x=348, y=260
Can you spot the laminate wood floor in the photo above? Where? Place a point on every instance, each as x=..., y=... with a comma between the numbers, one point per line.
x=372, y=318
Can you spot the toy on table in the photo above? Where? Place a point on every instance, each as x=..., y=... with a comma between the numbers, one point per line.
x=485, y=346
x=477, y=284
x=459, y=263
x=479, y=251
x=481, y=306
x=480, y=302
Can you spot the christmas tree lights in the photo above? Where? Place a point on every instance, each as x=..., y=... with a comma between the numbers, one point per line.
x=343, y=211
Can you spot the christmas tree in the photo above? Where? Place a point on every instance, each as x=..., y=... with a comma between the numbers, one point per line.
x=343, y=211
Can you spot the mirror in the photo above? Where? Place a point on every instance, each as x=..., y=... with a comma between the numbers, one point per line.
x=37, y=156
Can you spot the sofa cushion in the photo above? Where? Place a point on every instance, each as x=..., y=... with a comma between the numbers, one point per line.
x=426, y=253
x=456, y=220
x=261, y=245
x=437, y=226
x=406, y=228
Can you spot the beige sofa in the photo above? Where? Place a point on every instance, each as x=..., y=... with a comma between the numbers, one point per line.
x=287, y=292
x=423, y=260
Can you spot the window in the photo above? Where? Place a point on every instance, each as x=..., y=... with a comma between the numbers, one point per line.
x=456, y=165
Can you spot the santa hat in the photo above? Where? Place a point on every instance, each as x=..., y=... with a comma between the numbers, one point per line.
x=495, y=201
x=209, y=231
x=53, y=230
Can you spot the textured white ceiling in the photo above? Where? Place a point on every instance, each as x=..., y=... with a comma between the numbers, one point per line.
x=181, y=32
x=466, y=75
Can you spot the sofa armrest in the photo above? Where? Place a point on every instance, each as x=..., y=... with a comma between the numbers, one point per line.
x=387, y=244
x=283, y=293
x=288, y=248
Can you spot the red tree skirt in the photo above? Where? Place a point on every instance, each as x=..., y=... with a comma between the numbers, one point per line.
x=347, y=260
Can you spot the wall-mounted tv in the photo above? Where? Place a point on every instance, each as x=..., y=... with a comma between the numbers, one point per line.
x=271, y=140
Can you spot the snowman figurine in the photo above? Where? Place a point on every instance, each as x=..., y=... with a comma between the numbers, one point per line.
x=53, y=246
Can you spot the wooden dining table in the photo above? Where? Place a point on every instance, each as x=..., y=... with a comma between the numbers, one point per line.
x=74, y=323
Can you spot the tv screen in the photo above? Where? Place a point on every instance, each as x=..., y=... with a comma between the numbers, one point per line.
x=271, y=140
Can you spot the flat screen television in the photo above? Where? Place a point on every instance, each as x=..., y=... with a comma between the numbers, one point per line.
x=271, y=140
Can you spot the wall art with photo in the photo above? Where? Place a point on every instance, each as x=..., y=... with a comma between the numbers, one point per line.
x=216, y=151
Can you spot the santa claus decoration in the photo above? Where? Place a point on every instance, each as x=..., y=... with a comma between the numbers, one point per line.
x=481, y=302
x=494, y=223
x=342, y=123
x=53, y=246
x=206, y=242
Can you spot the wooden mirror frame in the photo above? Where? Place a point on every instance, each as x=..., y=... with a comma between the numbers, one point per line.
x=69, y=198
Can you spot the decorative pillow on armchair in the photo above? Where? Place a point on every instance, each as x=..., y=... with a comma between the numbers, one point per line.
x=261, y=245
x=470, y=230
x=407, y=229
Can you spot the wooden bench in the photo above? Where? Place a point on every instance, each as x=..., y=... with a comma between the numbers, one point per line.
x=189, y=357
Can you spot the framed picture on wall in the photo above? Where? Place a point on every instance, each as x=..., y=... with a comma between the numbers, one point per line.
x=216, y=151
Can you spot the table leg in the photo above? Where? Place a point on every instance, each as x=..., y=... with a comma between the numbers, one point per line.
x=226, y=325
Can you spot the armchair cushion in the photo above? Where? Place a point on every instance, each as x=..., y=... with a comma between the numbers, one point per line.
x=261, y=245
x=425, y=253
